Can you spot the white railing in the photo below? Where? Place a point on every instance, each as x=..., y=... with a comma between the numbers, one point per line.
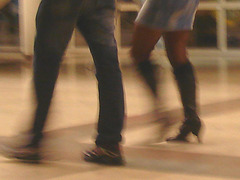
x=219, y=52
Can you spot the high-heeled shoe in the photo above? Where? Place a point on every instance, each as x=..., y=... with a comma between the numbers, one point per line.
x=195, y=127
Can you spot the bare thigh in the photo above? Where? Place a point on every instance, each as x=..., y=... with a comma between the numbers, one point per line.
x=176, y=43
x=144, y=40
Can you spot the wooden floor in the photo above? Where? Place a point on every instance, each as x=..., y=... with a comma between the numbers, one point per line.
x=71, y=127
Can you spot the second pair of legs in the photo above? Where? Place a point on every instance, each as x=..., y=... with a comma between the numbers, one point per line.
x=144, y=40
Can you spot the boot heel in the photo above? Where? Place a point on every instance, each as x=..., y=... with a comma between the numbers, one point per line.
x=199, y=137
x=197, y=131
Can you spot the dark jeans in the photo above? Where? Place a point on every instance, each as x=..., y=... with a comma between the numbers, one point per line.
x=55, y=22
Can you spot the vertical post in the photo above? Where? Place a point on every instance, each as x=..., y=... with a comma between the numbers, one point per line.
x=222, y=39
x=118, y=27
x=27, y=14
x=221, y=27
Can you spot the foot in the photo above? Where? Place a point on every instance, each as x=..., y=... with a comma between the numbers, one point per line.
x=105, y=156
x=187, y=128
x=26, y=153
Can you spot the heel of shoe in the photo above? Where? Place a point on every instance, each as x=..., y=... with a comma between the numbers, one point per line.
x=197, y=131
x=199, y=140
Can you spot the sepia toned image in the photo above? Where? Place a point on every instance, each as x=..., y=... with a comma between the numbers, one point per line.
x=119, y=89
x=9, y=28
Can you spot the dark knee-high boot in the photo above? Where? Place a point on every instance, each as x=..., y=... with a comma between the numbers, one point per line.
x=152, y=74
x=186, y=82
x=148, y=71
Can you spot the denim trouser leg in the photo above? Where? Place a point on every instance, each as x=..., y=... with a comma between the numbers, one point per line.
x=98, y=30
x=55, y=22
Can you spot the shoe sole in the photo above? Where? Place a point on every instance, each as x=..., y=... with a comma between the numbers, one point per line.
x=106, y=161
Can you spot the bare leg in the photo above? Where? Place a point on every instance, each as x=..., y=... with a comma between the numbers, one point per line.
x=144, y=40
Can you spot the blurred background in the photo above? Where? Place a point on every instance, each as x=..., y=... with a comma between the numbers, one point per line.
x=216, y=27
x=214, y=49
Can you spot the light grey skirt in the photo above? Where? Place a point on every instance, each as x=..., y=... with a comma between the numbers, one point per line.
x=168, y=15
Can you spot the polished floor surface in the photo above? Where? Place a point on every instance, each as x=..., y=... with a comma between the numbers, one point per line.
x=71, y=127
